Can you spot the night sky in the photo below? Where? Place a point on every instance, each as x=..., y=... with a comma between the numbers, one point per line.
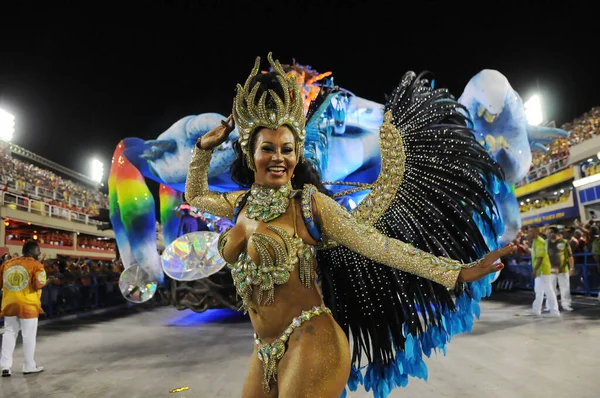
x=80, y=79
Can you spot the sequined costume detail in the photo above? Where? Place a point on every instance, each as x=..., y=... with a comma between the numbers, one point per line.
x=250, y=116
x=269, y=271
x=196, y=188
x=270, y=354
x=339, y=225
x=266, y=204
x=435, y=192
x=307, y=214
x=383, y=190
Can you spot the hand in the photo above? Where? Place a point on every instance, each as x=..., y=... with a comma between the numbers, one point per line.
x=486, y=265
x=218, y=135
x=572, y=272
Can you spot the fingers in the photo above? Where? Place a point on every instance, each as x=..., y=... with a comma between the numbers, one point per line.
x=475, y=274
x=499, y=253
x=508, y=248
x=490, y=269
x=493, y=267
x=226, y=123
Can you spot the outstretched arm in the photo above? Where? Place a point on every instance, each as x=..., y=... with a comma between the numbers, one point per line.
x=197, y=192
x=338, y=225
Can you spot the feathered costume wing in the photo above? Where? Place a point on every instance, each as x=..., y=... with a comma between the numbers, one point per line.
x=435, y=191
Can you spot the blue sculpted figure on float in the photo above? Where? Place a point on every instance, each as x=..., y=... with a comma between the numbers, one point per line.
x=169, y=154
x=500, y=122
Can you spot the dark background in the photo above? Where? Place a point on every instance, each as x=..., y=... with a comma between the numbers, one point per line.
x=79, y=78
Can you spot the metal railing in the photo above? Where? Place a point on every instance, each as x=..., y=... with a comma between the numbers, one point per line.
x=36, y=192
x=538, y=173
x=50, y=165
x=564, y=200
x=70, y=297
x=42, y=208
x=66, y=296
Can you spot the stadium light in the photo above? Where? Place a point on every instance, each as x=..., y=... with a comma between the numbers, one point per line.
x=97, y=170
x=7, y=125
x=533, y=110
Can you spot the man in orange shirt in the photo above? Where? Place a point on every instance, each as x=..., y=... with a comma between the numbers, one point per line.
x=22, y=280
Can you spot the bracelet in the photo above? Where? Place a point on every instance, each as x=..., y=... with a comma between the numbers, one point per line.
x=472, y=265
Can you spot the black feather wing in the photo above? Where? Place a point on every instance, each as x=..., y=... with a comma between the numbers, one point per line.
x=434, y=192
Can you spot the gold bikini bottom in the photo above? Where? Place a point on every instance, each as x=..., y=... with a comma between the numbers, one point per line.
x=270, y=354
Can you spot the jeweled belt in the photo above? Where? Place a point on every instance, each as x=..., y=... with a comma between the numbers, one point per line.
x=271, y=353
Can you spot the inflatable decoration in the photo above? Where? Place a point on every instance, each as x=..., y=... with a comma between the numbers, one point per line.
x=342, y=142
x=136, y=284
x=192, y=256
x=500, y=123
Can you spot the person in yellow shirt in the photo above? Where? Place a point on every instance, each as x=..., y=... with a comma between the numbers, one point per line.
x=561, y=260
x=541, y=273
x=21, y=279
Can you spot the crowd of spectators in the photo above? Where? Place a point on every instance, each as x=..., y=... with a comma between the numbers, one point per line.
x=530, y=205
x=42, y=184
x=579, y=235
x=585, y=127
x=590, y=168
x=76, y=284
x=85, y=242
x=55, y=238
x=584, y=242
x=61, y=238
x=544, y=164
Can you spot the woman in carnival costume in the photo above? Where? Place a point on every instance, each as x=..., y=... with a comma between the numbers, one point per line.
x=388, y=270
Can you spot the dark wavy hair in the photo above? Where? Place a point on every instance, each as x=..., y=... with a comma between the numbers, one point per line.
x=304, y=173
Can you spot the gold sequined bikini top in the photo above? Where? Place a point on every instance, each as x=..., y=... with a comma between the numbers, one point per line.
x=270, y=271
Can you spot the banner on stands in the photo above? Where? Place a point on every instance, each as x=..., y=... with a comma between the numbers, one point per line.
x=551, y=216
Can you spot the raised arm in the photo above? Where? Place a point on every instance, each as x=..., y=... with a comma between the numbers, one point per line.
x=338, y=225
x=197, y=193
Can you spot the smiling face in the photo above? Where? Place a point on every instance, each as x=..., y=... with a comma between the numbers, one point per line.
x=274, y=157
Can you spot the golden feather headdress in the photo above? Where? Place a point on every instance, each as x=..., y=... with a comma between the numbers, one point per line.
x=250, y=116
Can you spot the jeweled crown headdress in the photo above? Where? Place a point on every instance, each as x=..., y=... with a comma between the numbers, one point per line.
x=250, y=116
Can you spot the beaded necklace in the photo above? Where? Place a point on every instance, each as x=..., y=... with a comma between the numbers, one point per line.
x=266, y=204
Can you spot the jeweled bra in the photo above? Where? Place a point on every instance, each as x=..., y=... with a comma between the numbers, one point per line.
x=271, y=270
